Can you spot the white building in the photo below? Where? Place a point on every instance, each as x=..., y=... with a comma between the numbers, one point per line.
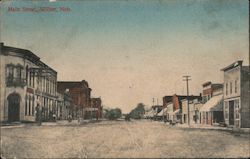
x=236, y=95
x=27, y=84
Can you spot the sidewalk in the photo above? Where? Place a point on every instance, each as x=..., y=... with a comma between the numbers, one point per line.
x=57, y=123
x=213, y=127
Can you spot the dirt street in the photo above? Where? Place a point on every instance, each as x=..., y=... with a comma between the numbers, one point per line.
x=120, y=139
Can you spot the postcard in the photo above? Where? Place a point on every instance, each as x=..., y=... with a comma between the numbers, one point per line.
x=124, y=79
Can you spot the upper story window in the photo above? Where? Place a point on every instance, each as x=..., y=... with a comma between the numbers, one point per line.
x=236, y=86
x=226, y=89
x=231, y=87
x=10, y=71
x=14, y=74
x=18, y=72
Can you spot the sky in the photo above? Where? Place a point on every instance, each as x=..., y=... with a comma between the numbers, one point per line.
x=132, y=51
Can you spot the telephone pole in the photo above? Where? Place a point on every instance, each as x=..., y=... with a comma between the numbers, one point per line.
x=187, y=78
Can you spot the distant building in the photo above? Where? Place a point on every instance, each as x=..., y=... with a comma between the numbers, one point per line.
x=210, y=89
x=157, y=109
x=237, y=95
x=176, y=104
x=212, y=98
x=96, y=104
x=80, y=93
x=194, y=107
x=65, y=106
x=28, y=86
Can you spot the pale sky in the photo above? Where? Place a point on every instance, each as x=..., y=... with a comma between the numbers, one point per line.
x=132, y=51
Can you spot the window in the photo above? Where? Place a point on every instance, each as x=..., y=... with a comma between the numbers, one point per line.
x=26, y=104
x=44, y=84
x=33, y=104
x=236, y=86
x=231, y=87
x=33, y=79
x=226, y=109
x=29, y=104
x=236, y=106
x=226, y=89
x=30, y=78
x=18, y=72
x=10, y=71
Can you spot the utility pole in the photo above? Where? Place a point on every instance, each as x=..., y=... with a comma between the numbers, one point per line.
x=153, y=108
x=187, y=78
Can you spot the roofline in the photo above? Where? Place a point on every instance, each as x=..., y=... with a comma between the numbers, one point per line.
x=27, y=54
x=239, y=62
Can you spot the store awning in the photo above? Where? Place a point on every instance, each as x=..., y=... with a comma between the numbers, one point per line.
x=214, y=104
x=176, y=111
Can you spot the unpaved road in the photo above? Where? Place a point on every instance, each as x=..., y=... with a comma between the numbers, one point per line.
x=108, y=139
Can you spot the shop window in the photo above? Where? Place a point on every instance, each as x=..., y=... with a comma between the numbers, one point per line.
x=226, y=110
x=236, y=106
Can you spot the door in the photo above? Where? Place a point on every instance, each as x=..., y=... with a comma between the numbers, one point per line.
x=13, y=107
x=231, y=112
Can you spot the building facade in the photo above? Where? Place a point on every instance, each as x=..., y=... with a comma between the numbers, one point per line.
x=236, y=95
x=212, y=98
x=96, y=104
x=28, y=86
x=176, y=101
x=210, y=89
x=80, y=93
x=194, y=107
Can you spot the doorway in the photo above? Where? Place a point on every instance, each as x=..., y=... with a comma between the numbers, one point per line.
x=13, y=107
x=231, y=112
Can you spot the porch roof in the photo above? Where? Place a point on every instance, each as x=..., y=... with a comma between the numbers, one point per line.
x=214, y=104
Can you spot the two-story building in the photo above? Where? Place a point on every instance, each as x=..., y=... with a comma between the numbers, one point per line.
x=212, y=98
x=28, y=86
x=176, y=106
x=80, y=93
x=236, y=95
x=96, y=105
x=194, y=107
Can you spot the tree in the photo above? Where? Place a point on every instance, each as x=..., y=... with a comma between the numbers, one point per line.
x=113, y=114
x=138, y=112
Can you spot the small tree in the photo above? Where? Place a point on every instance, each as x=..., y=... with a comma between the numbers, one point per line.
x=113, y=114
x=138, y=112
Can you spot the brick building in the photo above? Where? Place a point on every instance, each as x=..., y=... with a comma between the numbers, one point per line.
x=96, y=104
x=176, y=104
x=80, y=93
x=212, y=98
x=210, y=89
